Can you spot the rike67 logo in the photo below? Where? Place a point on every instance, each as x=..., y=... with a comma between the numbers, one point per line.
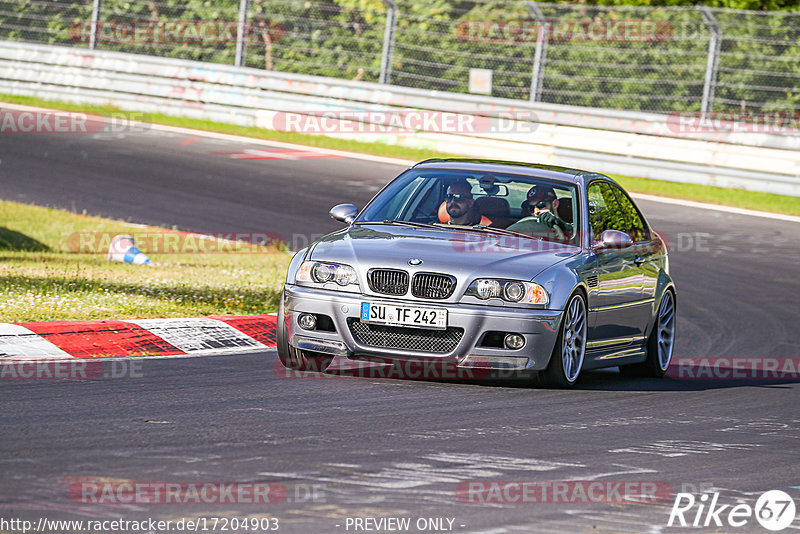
x=774, y=510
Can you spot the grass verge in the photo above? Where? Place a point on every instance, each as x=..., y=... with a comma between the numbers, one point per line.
x=713, y=195
x=43, y=278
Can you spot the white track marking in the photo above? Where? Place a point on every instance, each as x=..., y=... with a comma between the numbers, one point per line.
x=19, y=343
x=195, y=335
x=673, y=448
x=240, y=139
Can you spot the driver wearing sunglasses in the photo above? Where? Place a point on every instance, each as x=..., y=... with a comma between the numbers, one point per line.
x=542, y=204
x=460, y=205
x=539, y=215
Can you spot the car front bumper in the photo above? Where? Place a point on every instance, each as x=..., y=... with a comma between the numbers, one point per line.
x=539, y=328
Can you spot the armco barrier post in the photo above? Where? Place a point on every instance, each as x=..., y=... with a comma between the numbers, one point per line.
x=241, y=33
x=95, y=22
x=540, y=56
x=712, y=63
x=388, y=41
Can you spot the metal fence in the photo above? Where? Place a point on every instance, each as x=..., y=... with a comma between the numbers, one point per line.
x=630, y=58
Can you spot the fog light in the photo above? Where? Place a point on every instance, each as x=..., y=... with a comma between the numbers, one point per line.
x=307, y=321
x=514, y=341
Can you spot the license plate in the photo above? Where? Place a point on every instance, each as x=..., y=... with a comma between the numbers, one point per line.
x=404, y=315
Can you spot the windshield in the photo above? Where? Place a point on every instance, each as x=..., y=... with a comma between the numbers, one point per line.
x=529, y=205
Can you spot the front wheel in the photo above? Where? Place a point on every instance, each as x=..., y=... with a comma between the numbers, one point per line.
x=295, y=359
x=567, y=358
x=659, y=344
x=304, y=360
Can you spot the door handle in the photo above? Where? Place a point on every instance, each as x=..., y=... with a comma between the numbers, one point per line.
x=639, y=260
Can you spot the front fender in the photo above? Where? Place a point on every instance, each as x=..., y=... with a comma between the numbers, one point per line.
x=294, y=265
x=561, y=280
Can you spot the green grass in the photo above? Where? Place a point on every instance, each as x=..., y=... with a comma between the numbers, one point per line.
x=42, y=278
x=714, y=195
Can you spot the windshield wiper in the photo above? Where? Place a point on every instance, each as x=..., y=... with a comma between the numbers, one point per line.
x=400, y=223
x=502, y=231
x=475, y=228
x=483, y=227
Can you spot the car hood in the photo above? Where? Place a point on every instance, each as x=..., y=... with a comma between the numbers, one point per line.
x=465, y=254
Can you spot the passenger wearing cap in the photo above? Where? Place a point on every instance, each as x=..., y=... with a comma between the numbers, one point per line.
x=459, y=207
x=541, y=205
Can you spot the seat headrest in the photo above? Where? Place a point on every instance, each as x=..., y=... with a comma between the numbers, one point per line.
x=565, y=209
x=493, y=206
x=444, y=217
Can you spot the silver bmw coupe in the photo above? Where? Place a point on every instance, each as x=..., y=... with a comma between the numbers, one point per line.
x=545, y=271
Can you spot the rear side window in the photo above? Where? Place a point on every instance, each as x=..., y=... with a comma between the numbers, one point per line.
x=636, y=227
x=604, y=210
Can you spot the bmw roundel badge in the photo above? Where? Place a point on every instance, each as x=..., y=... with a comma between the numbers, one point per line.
x=415, y=261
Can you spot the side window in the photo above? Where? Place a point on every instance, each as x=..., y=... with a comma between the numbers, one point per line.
x=635, y=227
x=398, y=201
x=425, y=204
x=604, y=210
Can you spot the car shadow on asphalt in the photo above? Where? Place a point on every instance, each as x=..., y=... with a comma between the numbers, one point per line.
x=600, y=380
x=613, y=380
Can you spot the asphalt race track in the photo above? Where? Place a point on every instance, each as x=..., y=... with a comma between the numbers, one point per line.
x=347, y=447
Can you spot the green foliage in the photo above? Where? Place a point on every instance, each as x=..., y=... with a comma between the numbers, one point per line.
x=437, y=44
x=44, y=22
x=729, y=4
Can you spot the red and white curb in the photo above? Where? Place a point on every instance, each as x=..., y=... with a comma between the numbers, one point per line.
x=57, y=340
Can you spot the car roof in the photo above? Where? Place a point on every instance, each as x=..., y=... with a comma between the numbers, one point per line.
x=540, y=170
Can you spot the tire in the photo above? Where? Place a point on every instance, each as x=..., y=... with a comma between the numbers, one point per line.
x=295, y=359
x=304, y=360
x=568, y=354
x=660, y=343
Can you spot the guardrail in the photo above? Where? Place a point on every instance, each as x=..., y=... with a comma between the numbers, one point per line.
x=617, y=142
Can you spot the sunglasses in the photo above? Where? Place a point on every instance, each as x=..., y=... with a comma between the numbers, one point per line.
x=542, y=205
x=451, y=197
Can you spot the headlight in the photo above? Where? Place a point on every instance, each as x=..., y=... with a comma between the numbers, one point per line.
x=319, y=272
x=508, y=290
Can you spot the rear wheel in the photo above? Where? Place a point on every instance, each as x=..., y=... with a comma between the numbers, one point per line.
x=659, y=344
x=568, y=353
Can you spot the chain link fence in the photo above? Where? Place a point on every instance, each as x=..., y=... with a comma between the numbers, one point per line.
x=631, y=58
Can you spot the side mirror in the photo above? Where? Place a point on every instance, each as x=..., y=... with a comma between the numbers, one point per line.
x=345, y=213
x=613, y=240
